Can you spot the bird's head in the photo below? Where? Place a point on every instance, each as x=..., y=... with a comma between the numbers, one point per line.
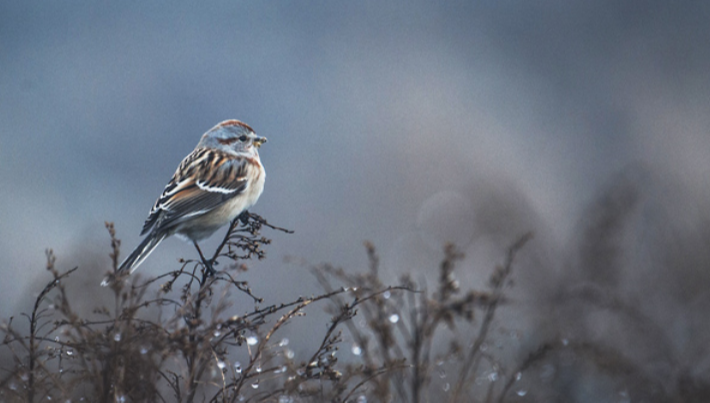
x=232, y=136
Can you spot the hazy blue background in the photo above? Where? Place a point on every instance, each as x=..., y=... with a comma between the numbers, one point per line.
x=407, y=124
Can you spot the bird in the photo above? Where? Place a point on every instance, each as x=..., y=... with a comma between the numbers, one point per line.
x=219, y=180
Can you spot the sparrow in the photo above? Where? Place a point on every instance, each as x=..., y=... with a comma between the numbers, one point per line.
x=220, y=179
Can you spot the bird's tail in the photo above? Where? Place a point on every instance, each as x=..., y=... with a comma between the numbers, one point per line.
x=136, y=257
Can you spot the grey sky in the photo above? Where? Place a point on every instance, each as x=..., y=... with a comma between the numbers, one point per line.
x=407, y=125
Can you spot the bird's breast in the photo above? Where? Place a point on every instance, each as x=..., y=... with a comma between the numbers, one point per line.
x=203, y=226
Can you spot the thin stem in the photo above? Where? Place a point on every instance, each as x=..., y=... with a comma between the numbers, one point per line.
x=208, y=264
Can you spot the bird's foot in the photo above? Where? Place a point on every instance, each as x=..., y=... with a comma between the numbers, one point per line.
x=244, y=217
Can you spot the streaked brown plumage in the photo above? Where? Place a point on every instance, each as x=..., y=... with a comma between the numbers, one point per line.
x=218, y=181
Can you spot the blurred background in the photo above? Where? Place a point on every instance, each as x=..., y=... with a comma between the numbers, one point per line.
x=406, y=125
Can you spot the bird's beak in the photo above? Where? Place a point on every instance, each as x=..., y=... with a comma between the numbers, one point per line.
x=258, y=141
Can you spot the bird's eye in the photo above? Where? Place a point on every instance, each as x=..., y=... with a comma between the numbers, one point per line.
x=242, y=138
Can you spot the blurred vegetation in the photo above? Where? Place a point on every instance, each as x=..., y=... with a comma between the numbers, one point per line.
x=181, y=337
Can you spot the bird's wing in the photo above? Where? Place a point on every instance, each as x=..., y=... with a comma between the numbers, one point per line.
x=204, y=180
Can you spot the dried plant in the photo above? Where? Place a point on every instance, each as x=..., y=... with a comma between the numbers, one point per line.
x=396, y=346
x=182, y=337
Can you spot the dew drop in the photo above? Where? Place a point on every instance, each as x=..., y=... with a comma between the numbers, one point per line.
x=386, y=295
x=394, y=318
x=283, y=342
x=117, y=337
x=70, y=352
x=289, y=354
x=221, y=364
x=447, y=387
x=493, y=376
x=518, y=376
x=356, y=349
x=258, y=369
x=255, y=385
x=285, y=399
x=361, y=399
x=238, y=367
x=522, y=392
x=442, y=373
x=144, y=350
x=217, y=333
x=252, y=340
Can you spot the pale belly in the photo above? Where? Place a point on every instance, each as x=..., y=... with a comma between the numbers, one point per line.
x=203, y=226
